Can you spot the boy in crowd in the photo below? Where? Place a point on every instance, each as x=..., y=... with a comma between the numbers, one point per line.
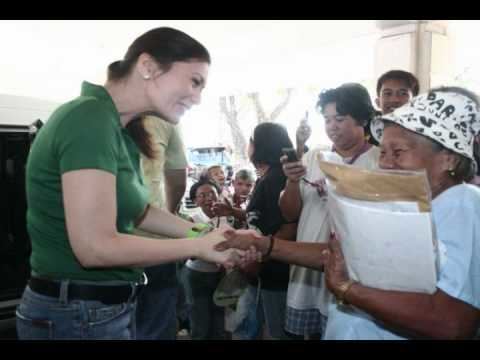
x=216, y=174
x=394, y=89
x=234, y=208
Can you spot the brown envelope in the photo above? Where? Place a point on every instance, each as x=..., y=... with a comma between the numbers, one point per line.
x=379, y=185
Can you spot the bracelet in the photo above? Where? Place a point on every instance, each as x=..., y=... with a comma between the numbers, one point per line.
x=343, y=288
x=198, y=230
x=270, y=248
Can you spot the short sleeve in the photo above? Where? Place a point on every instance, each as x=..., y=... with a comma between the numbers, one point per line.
x=88, y=138
x=309, y=160
x=458, y=229
x=175, y=157
x=271, y=217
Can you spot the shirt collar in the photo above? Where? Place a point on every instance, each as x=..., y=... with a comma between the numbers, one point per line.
x=100, y=93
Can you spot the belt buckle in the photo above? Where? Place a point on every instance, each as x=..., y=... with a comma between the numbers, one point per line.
x=143, y=281
x=138, y=286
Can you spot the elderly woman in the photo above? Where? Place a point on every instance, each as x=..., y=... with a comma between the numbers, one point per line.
x=434, y=132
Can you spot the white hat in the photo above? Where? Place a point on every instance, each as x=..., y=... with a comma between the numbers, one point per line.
x=449, y=118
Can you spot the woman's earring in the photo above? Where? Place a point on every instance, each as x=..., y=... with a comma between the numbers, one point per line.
x=146, y=77
x=451, y=172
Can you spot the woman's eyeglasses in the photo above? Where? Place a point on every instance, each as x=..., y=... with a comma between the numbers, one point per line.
x=204, y=195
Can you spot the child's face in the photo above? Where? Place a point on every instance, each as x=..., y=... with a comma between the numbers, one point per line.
x=218, y=176
x=242, y=187
x=205, y=196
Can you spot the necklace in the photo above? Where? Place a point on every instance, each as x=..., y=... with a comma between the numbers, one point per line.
x=366, y=146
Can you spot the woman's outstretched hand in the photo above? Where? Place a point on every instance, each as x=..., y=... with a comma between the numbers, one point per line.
x=336, y=273
x=251, y=244
x=240, y=239
x=229, y=258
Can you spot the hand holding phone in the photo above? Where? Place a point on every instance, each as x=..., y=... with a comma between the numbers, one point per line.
x=291, y=154
x=293, y=169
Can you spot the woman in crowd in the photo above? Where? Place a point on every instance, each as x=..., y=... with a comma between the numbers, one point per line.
x=265, y=297
x=85, y=195
x=201, y=278
x=434, y=132
x=346, y=110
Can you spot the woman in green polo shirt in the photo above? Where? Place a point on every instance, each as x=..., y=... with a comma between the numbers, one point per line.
x=85, y=195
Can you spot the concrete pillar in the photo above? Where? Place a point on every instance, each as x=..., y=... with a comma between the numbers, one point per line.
x=419, y=46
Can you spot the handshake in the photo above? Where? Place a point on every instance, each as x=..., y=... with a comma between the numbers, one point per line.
x=234, y=248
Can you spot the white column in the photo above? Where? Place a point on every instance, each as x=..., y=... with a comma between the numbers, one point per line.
x=419, y=46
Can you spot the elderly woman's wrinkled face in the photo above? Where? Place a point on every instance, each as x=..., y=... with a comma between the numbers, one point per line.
x=402, y=149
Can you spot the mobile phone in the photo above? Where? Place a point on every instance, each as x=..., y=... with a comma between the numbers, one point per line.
x=291, y=154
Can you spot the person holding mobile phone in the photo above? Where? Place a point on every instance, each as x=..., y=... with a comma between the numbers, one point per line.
x=346, y=110
x=443, y=149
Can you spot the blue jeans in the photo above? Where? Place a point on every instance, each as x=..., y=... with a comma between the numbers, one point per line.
x=248, y=326
x=183, y=310
x=156, y=304
x=274, y=306
x=42, y=317
x=254, y=310
x=207, y=320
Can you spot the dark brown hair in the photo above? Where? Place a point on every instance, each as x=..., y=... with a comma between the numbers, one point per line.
x=142, y=137
x=200, y=182
x=350, y=99
x=268, y=140
x=166, y=46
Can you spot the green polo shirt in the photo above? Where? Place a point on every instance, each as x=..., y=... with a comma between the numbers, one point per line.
x=84, y=133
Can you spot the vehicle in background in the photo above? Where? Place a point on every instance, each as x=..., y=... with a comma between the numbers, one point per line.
x=200, y=158
x=20, y=120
